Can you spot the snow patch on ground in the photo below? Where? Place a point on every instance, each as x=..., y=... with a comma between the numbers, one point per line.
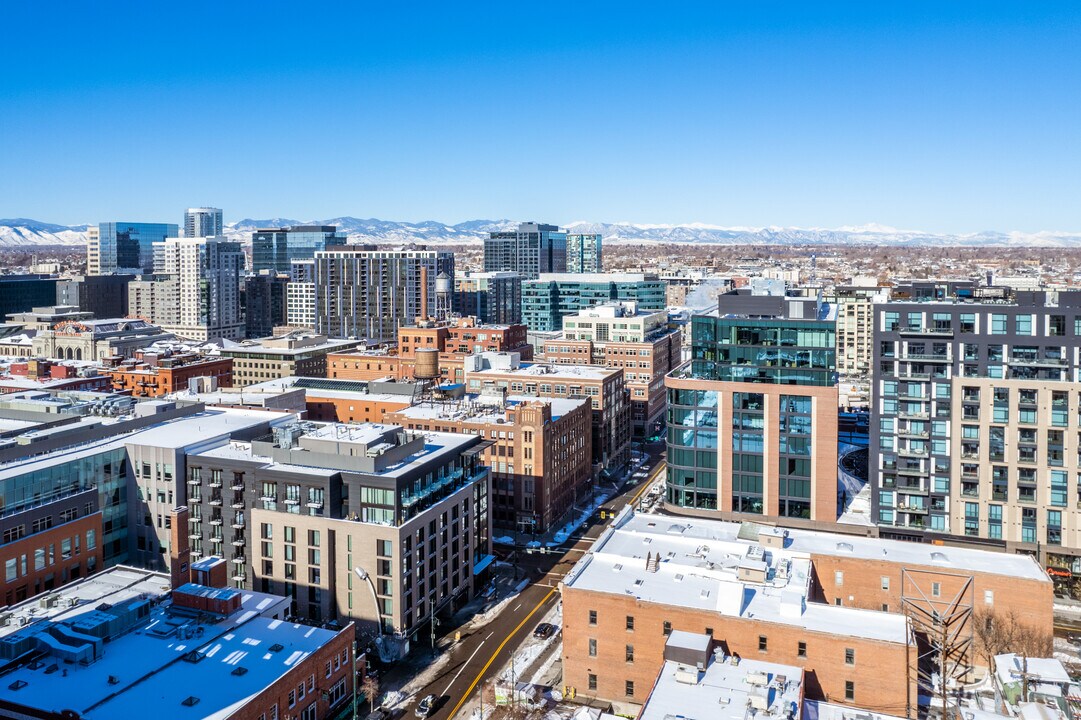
x=581, y=515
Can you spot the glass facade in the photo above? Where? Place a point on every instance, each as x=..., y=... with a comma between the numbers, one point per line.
x=274, y=249
x=546, y=302
x=584, y=253
x=129, y=247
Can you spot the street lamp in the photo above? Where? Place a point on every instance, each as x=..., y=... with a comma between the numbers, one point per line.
x=363, y=575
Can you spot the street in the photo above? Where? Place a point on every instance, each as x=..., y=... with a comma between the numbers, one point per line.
x=479, y=656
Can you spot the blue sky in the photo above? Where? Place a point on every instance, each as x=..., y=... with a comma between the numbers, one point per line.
x=943, y=116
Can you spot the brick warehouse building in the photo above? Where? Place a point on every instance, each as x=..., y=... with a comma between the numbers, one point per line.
x=832, y=605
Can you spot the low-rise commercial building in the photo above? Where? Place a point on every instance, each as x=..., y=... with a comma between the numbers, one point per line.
x=848, y=611
x=296, y=354
x=493, y=373
x=539, y=450
x=148, y=374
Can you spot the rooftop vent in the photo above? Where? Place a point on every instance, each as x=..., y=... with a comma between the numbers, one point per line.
x=277, y=647
x=939, y=557
x=844, y=547
x=190, y=701
x=239, y=670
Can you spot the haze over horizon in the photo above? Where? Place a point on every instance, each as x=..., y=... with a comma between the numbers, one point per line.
x=951, y=118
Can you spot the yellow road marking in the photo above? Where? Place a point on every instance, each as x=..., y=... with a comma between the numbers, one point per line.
x=647, y=484
x=498, y=650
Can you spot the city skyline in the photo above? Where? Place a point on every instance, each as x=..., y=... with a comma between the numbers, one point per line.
x=947, y=119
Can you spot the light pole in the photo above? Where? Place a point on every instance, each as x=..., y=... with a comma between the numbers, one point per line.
x=363, y=575
x=354, y=679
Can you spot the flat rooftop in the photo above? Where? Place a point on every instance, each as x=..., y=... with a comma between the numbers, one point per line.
x=593, y=277
x=471, y=409
x=546, y=370
x=167, y=658
x=258, y=348
x=725, y=691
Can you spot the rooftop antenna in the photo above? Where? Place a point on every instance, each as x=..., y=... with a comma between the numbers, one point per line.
x=814, y=269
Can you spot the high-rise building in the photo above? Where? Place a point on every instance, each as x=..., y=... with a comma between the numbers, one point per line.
x=21, y=293
x=974, y=425
x=203, y=222
x=300, y=295
x=619, y=335
x=274, y=248
x=264, y=303
x=584, y=253
x=855, y=327
x=205, y=273
x=125, y=247
x=532, y=249
x=491, y=297
x=367, y=293
x=752, y=417
x=551, y=297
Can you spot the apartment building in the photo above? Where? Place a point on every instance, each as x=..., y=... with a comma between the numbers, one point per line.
x=301, y=354
x=552, y=297
x=855, y=327
x=539, y=450
x=204, y=274
x=532, y=249
x=752, y=417
x=203, y=222
x=300, y=294
x=619, y=335
x=584, y=253
x=369, y=522
x=975, y=417
x=364, y=293
x=264, y=303
x=495, y=373
x=843, y=609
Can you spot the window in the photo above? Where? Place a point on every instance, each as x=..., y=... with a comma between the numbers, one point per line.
x=629, y=688
x=850, y=690
x=629, y=654
x=630, y=622
x=989, y=597
x=592, y=681
x=667, y=627
x=593, y=647
x=838, y=578
x=936, y=589
x=850, y=656
x=592, y=617
x=762, y=643
x=801, y=649
x=885, y=582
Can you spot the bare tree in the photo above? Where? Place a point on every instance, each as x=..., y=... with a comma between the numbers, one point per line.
x=370, y=688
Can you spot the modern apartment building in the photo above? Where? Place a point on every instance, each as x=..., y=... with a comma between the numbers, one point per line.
x=752, y=417
x=274, y=249
x=491, y=297
x=495, y=373
x=264, y=303
x=849, y=611
x=975, y=416
x=125, y=247
x=364, y=293
x=584, y=253
x=298, y=353
x=205, y=275
x=549, y=299
x=619, y=335
x=855, y=327
x=532, y=249
x=538, y=450
x=368, y=522
x=300, y=295
x=203, y=222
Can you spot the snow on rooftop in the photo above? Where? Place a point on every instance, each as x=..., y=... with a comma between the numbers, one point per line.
x=145, y=668
x=585, y=372
x=725, y=691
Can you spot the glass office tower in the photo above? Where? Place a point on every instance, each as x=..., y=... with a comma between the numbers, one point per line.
x=274, y=249
x=127, y=247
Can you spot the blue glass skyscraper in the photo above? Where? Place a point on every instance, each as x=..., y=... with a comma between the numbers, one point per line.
x=126, y=247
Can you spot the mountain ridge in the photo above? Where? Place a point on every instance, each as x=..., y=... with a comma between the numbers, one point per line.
x=16, y=232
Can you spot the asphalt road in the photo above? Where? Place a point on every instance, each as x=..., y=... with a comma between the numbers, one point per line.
x=479, y=656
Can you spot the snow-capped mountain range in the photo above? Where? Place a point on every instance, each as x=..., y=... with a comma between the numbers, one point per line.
x=24, y=232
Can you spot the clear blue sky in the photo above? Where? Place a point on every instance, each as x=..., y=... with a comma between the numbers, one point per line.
x=946, y=116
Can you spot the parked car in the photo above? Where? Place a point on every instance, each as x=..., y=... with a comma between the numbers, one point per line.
x=545, y=631
x=426, y=706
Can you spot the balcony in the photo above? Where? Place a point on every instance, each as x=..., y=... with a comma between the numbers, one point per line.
x=237, y=505
x=1037, y=362
x=913, y=472
x=919, y=435
x=195, y=482
x=238, y=524
x=194, y=536
x=240, y=576
x=906, y=452
x=239, y=542
x=926, y=357
x=237, y=487
x=239, y=559
x=926, y=332
x=215, y=483
x=913, y=415
x=215, y=502
x=216, y=522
